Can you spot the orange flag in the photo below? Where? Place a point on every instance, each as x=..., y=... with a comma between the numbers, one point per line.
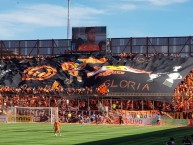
x=102, y=89
x=55, y=85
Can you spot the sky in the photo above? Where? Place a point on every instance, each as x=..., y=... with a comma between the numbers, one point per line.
x=47, y=19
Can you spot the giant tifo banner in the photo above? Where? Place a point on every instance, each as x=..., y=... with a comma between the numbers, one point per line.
x=142, y=75
x=89, y=38
x=139, y=74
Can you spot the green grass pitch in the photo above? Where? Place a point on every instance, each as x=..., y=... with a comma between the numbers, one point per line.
x=76, y=134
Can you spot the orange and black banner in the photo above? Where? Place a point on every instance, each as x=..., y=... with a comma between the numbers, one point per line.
x=138, y=74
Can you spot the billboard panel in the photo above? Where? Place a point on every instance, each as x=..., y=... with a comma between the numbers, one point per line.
x=89, y=38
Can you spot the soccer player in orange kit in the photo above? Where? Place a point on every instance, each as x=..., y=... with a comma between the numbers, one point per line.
x=57, y=127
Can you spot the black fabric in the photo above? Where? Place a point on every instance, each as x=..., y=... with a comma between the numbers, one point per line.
x=136, y=74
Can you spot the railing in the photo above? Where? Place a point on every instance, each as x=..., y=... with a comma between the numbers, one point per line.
x=146, y=45
x=150, y=45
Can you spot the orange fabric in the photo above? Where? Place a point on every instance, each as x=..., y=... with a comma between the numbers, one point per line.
x=89, y=47
x=67, y=66
x=93, y=60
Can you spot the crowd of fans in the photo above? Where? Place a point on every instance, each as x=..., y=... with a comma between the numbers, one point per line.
x=47, y=90
x=25, y=57
x=124, y=54
x=183, y=98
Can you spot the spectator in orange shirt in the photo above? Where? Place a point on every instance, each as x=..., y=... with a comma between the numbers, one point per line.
x=57, y=128
x=90, y=44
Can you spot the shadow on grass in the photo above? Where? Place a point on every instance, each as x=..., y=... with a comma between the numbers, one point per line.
x=150, y=138
x=32, y=131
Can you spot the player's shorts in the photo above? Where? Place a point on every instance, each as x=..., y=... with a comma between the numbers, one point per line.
x=57, y=128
